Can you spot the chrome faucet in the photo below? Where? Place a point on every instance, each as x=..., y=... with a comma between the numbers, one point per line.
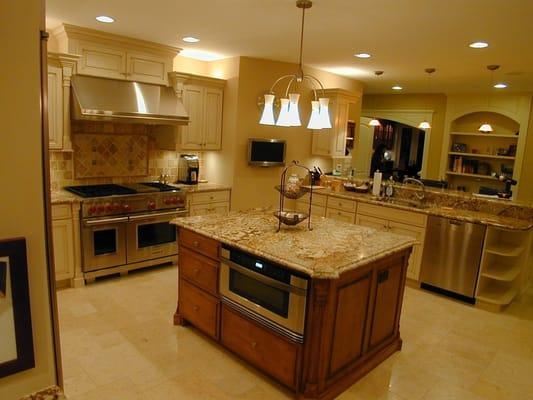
x=420, y=195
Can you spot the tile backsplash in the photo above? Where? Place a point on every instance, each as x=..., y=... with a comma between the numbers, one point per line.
x=113, y=153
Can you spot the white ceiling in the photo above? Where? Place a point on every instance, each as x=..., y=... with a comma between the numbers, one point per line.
x=404, y=36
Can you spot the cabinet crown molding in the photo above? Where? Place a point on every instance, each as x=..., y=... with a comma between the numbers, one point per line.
x=188, y=78
x=78, y=32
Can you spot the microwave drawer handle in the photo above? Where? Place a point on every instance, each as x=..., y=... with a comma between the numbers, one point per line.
x=265, y=279
x=154, y=215
x=105, y=221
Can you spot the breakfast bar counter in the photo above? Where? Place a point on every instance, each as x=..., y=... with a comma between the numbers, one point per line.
x=315, y=310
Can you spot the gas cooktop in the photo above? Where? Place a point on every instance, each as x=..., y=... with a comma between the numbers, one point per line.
x=88, y=191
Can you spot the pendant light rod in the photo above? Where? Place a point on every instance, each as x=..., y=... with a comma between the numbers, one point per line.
x=303, y=4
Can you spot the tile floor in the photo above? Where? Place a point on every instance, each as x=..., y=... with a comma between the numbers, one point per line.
x=119, y=343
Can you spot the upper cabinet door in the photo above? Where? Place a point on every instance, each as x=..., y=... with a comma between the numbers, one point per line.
x=192, y=135
x=212, y=132
x=55, y=107
x=340, y=126
x=147, y=68
x=102, y=61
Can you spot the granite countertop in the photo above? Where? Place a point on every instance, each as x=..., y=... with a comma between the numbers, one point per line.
x=478, y=217
x=201, y=187
x=330, y=249
x=63, y=197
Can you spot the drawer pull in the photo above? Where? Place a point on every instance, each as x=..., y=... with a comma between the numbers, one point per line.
x=211, y=197
x=254, y=345
x=196, y=271
x=195, y=243
x=195, y=308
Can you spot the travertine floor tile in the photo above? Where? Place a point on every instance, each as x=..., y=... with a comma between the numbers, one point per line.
x=119, y=343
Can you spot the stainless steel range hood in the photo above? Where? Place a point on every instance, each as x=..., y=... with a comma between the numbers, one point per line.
x=113, y=100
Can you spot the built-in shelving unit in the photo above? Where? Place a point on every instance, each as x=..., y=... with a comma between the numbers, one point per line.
x=503, y=272
x=477, y=176
x=474, y=156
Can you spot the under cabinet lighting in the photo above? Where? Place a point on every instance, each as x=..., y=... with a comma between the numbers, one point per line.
x=397, y=87
x=363, y=55
x=105, y=19
x=500, y=85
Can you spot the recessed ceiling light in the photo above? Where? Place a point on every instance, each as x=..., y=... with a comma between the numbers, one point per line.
x=478, y=45
x=363, y=55
x=396, y=87
x=105, y=19
x=190, y=39
x=500, y=85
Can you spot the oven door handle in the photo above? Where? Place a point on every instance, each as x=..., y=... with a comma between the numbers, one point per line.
x=105, y=221
x=155, y=215
x=264, y=279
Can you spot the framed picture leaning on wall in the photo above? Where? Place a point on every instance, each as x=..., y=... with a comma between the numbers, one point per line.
x=16, y=344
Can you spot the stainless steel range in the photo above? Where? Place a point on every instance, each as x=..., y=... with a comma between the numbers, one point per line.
x=124, y=227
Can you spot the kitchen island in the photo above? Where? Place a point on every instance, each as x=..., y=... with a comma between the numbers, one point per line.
x=247, y=286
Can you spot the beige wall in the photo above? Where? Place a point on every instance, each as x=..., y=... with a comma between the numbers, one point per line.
x=526, y=184
x=434, y=102
x=21, y=207
x=254, y=186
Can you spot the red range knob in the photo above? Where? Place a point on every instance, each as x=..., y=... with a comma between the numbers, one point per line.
x=108, y=207
x=174, y=200
x=101, y=208
x=168, y=201
x=126, y=207
x=92, y=210
x=116, y=207
x=151, y=205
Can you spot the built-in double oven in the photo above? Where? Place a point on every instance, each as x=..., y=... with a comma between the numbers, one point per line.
x=113, y=241
x=268, y=293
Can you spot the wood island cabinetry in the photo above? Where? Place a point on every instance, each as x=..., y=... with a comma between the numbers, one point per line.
x=352, y=322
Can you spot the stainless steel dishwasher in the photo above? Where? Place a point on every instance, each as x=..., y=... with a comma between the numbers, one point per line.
x=451, y=258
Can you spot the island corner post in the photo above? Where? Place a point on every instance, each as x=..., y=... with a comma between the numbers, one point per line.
x=351, y=321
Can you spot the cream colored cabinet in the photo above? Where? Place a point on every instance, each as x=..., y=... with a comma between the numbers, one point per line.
x=332, y=142
x=66, y=244
x=341, y=209
x=318, y=206
x=61, y=67
x=203, y=101
x=401, y=222
x=113, y=56
x=209, y=202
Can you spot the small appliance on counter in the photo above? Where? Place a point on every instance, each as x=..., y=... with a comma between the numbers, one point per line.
x=188, y=169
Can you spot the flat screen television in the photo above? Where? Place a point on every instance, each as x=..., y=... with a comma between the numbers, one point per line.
x=266, y=152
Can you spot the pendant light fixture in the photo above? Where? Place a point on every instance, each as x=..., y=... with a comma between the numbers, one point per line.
x=374, y=121
x=424, y=125
x=486, y=127
x=289, y=114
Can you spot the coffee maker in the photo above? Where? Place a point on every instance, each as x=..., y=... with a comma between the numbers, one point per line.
x=188, y=169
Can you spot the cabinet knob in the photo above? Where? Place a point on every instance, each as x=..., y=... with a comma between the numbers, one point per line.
x=195, y=243
x=195, y=308
x=196, y=271
x=254, y=345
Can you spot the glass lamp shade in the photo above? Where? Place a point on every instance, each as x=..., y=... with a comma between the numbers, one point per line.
x=267, y=118
x=374, y=122
x=424, y=125
x=314, y=120
x=485, y=128
x=283, y=119
x=294, y=114
x=323, y=113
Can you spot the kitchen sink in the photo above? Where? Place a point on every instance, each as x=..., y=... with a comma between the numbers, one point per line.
x=404, y=202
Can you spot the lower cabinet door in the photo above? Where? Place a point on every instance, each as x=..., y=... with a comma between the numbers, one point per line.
x=413, y=271
x=338, y=215
x=259, y=346
x=385, y=316
x=372, y=222
x=198, y=307
x=62, y=233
